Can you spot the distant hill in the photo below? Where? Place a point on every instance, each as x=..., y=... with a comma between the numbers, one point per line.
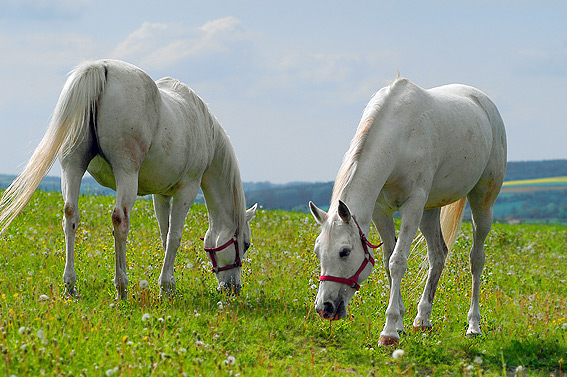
x=543, y=204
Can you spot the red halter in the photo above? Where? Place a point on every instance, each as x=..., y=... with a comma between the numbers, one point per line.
x=353, y=280
x=213, y=250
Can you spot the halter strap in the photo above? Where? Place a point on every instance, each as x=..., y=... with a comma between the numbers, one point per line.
x=353, y=280
x=213, y=250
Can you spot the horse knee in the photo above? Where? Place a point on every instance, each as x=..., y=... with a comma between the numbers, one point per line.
x=71, y=219
x=398, y=266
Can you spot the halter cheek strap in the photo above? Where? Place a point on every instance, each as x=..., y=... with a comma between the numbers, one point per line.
x=213, y=250
x=353, y=280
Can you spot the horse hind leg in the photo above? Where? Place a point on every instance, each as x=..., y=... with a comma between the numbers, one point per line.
x=481, y=207
x=126, y=191
x=70, y=187
x=437, y=253
x=73, y=167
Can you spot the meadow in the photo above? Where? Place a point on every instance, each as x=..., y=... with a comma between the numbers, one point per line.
x=271, y=328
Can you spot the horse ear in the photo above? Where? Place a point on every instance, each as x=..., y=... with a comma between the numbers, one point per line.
x=251, y=212
x=319, y=215
x=344, y=212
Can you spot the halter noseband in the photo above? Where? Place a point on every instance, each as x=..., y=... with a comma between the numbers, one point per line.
x=213, y=250
x=353, y=280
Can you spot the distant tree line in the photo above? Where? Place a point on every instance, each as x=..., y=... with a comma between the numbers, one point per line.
x=295, y=196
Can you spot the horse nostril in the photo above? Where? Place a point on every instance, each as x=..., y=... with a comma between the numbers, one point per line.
x=329, y=308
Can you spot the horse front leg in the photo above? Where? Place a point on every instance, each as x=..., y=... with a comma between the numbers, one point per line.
x=411, y=212
x=162, y=208
x=180, y=207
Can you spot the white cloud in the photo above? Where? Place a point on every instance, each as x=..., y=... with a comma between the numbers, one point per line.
x=37, y=59
x=158, y=45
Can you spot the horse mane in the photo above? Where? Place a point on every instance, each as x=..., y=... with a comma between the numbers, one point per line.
x=230, y=169
x=352, y=156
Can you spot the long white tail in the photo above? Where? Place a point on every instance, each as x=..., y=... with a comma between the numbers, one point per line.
x=451, y=218
x=72, y=114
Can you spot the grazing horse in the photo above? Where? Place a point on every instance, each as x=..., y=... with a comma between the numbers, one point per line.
x=415, y=151
x=140, y=137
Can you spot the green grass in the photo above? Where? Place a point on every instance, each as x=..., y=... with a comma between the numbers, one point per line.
x=271, y=328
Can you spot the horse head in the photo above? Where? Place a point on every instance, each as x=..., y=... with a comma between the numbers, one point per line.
x=344, y=260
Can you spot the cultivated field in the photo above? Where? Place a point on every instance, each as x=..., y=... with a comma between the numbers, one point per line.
x=271, y=328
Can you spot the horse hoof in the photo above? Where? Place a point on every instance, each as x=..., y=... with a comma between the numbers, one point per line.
x=471, y=334
x=424, y=329
x=387, y=341
x=73, y=293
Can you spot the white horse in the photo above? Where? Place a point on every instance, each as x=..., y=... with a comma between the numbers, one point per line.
x=415, y=151
x=140, y=137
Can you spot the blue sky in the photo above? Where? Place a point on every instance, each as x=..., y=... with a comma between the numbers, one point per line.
x=289, y=80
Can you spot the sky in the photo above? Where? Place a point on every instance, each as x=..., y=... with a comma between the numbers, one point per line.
x=289, y=80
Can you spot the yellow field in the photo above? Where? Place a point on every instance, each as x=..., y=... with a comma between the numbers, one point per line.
x=558, y=180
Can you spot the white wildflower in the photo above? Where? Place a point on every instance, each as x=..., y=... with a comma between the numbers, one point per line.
x=519, y=370
x=313, y=286
x=40, y=334
x=478, y=360
x=145, y=317
x=229, y=360
x=22, y=330
x=220, y=305
x=398, y=354
x=144, y=284
x=469, y=368
x=160, y=320
x=43, y=298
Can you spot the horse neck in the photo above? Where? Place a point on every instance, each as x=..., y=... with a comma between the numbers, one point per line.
x=222, y=187
x=367, y=175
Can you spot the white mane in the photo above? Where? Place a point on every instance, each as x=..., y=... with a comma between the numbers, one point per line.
x=351, y=157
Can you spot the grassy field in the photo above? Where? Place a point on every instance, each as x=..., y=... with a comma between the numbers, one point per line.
x=271, y=328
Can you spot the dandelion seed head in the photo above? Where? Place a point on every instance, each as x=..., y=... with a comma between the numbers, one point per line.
x=478, y=360
x=398, y=354
x=43, y=298
x=22, y=330
x=144, y=284
x=145, y=317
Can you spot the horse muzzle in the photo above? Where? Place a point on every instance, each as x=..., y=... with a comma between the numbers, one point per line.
x=331, y=311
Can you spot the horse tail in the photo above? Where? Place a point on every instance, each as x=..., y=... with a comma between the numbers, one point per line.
x=451, y=217
x=73, y=112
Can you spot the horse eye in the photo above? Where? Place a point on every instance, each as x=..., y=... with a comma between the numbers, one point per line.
x=344, y=252
x=247, y=245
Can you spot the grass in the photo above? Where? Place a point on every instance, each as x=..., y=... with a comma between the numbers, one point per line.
x=271, y=328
